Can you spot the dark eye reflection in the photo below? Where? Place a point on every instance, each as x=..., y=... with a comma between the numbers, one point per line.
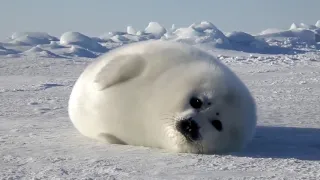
x=195, y=103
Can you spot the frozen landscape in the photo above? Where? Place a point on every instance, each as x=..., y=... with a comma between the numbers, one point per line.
x=280, y=66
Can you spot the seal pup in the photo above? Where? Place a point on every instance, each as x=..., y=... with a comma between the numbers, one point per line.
x=165, y=95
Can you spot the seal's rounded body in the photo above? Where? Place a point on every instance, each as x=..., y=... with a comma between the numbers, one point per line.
x=165, y=95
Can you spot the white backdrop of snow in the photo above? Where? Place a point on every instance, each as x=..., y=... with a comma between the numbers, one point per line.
x=204, y=34
x=38, y=140
x=76, y=38
x=31, y=38
x=131, y=30
x=318, y=24
x=156, y=29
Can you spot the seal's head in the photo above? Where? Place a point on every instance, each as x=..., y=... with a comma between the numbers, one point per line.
x=203, y=106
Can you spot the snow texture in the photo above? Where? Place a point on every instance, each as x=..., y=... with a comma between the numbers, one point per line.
x=156, y=29
x=76, y=38
x=31, y=38
x=298, y=38
x=318, y=24
x=38, y=141
x=131, y=30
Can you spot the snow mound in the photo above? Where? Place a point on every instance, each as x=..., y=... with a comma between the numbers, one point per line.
x=245, y=42
x=55, y=45
x=203, y=26
x=318, y=24
x=4, y=51
x=125, y=38
x=52, y=45
x=238, y=38
x=204, y=33
x=131, y=30
x=302, y=26
x=294, y=26
x=31, y=38
x=173, y=27
x=270, y=31
x=109, y=35
x=297, y=36
x=41, y=52
x=75, y=51
x=119, y=39
x=301, y=34
x=155, y=29
x=76, y=38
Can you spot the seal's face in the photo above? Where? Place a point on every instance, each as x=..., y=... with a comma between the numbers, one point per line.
x=207, y=111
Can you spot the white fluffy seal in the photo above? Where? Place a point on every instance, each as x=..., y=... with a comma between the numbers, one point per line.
x=165, y=95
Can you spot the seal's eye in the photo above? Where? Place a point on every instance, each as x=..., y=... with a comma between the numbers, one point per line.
x=195, y=103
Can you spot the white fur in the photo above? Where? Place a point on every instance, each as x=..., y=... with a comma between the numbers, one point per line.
x=136, y=94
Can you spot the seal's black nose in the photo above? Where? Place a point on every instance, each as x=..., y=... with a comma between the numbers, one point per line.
x=189, y=128
x=217, y=124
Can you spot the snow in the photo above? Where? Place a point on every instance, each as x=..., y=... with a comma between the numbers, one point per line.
x=76, y=38
x=239, y=40
x=156, y=29
x=200, y=33
x=119, y=38
x=38, y=141
x=31, y=38
x=318, y=24
x=5, y=51
x=41, y=52
x=80, y=52
x=131, y=30
x=301, y=32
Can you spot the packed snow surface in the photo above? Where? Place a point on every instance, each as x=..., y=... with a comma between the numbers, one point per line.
x=38, y=141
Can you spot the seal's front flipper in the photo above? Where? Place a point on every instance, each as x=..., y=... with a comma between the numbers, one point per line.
x=119, y=69
x=111, y=139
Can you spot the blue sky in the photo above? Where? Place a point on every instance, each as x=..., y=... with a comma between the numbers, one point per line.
x=94, y=17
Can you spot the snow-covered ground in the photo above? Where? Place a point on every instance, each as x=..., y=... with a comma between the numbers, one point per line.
x=38, y=141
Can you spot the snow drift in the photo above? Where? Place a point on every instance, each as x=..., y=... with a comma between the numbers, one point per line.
x=155, y=29
x=205, y=34
x=31, y=38
x=76, y=38
x=75, y=51
x=41, y=52
x=241, y=40
x=298, y=32
x=6, y=51
x=200, y=33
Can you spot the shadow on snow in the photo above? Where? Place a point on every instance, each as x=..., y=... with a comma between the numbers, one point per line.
x=284, y=142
